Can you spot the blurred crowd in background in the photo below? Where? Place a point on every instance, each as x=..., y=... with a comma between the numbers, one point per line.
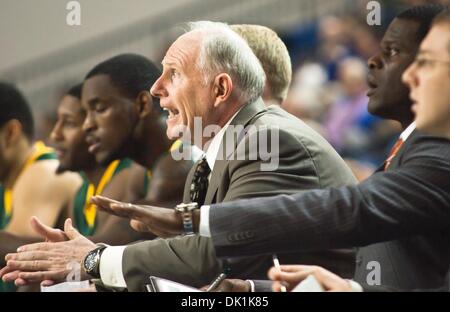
x=328, y=91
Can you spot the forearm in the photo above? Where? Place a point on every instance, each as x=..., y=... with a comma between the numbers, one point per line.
x=189, y=260
x=410, y=200
x=323, y=219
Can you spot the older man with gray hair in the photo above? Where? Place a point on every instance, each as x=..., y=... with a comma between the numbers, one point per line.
x=211, y=86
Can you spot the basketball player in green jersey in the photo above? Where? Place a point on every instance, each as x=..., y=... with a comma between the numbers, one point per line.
x=29, y=185
x=72, y=150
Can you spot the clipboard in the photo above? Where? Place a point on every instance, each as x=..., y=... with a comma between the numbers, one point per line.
x=158, y=284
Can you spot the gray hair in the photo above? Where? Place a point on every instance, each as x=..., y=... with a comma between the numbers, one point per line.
x=222, y=50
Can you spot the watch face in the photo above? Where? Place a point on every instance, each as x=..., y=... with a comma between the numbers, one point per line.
x=89, y=262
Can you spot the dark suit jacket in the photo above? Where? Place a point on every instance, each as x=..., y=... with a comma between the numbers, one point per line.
x=306, y=161
x=400, y=218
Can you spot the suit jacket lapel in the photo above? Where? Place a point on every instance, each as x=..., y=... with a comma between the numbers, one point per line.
x=244, y=117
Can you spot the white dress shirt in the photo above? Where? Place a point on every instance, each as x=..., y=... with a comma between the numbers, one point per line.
x=407, y=132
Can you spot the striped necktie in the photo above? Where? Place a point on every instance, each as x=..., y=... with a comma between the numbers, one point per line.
x=199, y=184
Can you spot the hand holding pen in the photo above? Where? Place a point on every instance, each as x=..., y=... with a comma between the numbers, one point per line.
x=218, y=280
x=276, y=263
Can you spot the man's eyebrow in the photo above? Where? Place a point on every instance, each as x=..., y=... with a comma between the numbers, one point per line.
x=65, y=114
x=168, y=63
x=423, y=51
x=93, y=101
x=390, y=42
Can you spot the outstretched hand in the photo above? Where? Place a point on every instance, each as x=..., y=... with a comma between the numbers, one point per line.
x=51, y=261
x=48, y=234
x=163, y=222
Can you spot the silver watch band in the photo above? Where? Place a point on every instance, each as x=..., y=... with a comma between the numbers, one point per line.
x=186, y=215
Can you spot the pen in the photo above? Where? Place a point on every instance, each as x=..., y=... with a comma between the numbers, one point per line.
x=219, y=279
x=276, y=263
x=216, y=282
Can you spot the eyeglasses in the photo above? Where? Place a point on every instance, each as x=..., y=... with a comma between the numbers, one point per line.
x=424, y=63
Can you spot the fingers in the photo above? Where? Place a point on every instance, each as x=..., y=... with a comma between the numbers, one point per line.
x=70, y=231
x=30, y=256
x=128, y=210
x=103, y=202
x=124, y=210
x=14, y=277
x=20, y=282
x=276, y=286
x=137, y=212
x=289, y=270
x=44, y=276
x=5, y=270
x=24, y=278
x=47, y=283
x=34, y=265
x=36, y=247
x=39, y=227
x=290, y=275
x=294, y=267
x=10, y=275
x=90, y=289
x=45, y=231
x=139, y=226
x=20, y=278
x=294, y=274
x=331, y=281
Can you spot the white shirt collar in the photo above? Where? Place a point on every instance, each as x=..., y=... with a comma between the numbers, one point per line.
x=407, y=132
x=216, y=141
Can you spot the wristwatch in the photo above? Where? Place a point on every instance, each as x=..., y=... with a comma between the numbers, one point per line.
x=91, y=263
x=186, y=215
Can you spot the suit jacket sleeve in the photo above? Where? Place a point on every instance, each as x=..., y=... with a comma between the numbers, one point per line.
x=263, y=285
x=410, y=200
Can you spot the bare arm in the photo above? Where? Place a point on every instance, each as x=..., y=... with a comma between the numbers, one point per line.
x=113, y=230
x=42, y=193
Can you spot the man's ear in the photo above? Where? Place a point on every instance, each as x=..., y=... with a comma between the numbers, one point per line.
x=144, y=104
x=11, y=132
x=223, y=86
